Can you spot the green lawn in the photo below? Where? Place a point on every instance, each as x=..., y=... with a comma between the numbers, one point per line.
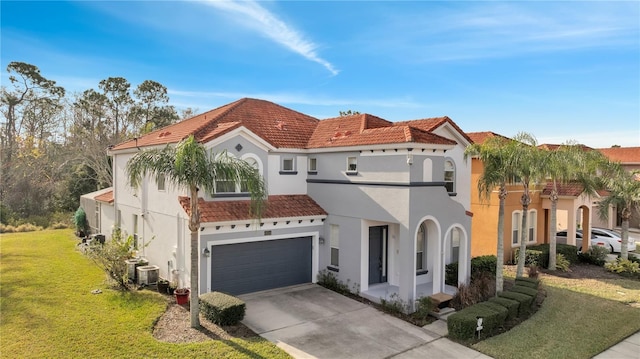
x=578, y=319
x=47, y=309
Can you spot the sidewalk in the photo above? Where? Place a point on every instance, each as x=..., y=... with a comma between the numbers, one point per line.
x=626, y=349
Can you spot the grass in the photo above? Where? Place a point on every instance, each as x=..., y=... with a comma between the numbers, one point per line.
x=47, y=309
x=578, y=319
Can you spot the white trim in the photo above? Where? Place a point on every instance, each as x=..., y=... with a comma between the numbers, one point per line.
x=244, y=133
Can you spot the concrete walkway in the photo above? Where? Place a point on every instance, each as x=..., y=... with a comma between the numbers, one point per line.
x=309, y=321
x=626, y=349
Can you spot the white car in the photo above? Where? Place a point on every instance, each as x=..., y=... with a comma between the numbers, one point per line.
x=600, y=237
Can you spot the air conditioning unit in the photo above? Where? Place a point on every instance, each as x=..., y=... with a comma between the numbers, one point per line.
x=148, y=274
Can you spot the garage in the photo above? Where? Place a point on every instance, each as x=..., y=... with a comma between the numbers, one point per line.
x=255, y=266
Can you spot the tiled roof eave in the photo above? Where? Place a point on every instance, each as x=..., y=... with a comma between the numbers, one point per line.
x=256, y=221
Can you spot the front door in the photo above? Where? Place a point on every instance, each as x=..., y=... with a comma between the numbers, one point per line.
x=377, y=254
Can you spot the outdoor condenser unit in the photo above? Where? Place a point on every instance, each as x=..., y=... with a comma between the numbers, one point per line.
x=148, y=274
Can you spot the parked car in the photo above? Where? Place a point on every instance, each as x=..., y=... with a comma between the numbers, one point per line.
x=599, y=237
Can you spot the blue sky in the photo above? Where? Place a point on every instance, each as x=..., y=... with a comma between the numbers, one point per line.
x=559, y=70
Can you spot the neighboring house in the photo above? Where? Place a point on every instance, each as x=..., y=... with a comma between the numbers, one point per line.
x=574, y=211
x=385, y=206
x=98, y=207
x=629, y=158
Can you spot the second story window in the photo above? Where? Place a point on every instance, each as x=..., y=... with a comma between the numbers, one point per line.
x=313, y=165
x=352, y=164
x=288, y=166
x=449, y=176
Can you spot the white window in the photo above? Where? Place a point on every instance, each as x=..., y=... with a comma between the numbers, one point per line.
x=251, y=161
x=516, y=224
x=516, y=221
x=98, y=216
x=335, y=245
x=225, y=185
x=352, y=164
x=313, y=164
x=533, y=223
x=161, y=182
x=135, y=231
x=421, y=249
x=455, y=244
x=288, y=165
x=449, y=176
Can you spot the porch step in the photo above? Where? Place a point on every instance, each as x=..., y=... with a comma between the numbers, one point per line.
x=441, y=300
x=443, y=313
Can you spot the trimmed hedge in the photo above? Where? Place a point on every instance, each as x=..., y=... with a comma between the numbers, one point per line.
x=221, y=308
x=510, y=304
x=528, y=282
x=462, y=325
x=503, y=312
x=524, y=290
x=525, y=301
x=481, y=264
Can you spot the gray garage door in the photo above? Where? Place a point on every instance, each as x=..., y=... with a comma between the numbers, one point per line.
x=251, y=267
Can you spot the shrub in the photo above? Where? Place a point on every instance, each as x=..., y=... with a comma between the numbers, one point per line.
x=80, y=221
x=424, y=306
x=480, y=289
x=540, y=254
x=394, y=305
x=528, y=282
x=329, y=280
x=479, y=265
x=524, y=290
x=462, y=325
x=502, y=312
x=27, y=227
x=524, y=300
x=511, y=305
x=221, y=308
x=562, y=263
x=596, y=255
x=624, y=267
x=111, y=257
x=59, y=225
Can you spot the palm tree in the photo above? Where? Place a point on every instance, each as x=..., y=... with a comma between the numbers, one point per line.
x=190, y=166
x=568, y=163
x=624, y=193
x=528, y=167
x=495, y=154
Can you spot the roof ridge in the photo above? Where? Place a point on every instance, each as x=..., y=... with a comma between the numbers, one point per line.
x=199, y=132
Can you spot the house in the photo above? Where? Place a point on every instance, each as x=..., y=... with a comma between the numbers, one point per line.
x=629, y=158
x=98, y=207
x=574, y=210
x=384, y=206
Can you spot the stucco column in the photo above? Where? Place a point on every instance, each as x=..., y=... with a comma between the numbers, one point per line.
x=407, y=265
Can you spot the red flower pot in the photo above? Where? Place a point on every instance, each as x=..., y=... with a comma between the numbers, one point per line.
x=182, y=295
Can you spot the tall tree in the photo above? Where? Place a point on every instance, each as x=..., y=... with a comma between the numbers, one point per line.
x=496, y=155
x=570, y=162
x=624, y=193
x=528, y=167
x=28, y=86
x=190, y=166
x=119, y=101
x=151, y=111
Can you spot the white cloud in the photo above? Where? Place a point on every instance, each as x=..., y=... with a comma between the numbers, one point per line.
x=258, y=18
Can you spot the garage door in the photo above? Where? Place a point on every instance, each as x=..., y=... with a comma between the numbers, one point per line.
x=251, y=267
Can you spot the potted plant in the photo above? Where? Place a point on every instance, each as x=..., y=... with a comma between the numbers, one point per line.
x=182, y=295
x=163, y=286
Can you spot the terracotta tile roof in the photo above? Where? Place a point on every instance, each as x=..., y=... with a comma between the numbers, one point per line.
x=365, y=129
x=625, y=155
x=572, y=189
x=106, y=197
x=278, y=206
x=431, y=124
x=286, y=128
x=278, y=125
x=480, y=137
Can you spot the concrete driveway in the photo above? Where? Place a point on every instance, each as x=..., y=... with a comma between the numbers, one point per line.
x=309, y=321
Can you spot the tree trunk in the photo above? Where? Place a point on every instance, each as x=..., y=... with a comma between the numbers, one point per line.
x=194, y=226
x=524, y=231
x=626, y=215
x=553, y=228
x=500, y=251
